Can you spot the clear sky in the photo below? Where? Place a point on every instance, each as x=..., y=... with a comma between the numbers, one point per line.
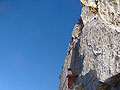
x=34, y=37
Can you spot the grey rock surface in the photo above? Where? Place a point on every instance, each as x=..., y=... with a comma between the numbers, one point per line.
x=94, y=50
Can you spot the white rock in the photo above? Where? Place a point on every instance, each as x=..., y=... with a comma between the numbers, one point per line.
x=95, y=50
x=89, y=3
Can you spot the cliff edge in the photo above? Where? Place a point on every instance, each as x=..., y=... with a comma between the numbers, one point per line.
x=94, y=49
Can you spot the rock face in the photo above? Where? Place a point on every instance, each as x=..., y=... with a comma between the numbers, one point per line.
x=94, y=49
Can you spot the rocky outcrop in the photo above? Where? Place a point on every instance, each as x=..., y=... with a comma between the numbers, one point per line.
x=113, y=83
x=108, y=11
x=94, y=49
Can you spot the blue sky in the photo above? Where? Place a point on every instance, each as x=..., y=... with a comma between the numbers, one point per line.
x=34, y=37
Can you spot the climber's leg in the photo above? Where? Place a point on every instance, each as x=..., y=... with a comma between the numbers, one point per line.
x=68, y=80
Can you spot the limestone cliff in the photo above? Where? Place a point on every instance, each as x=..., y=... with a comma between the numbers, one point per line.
x=94, y=49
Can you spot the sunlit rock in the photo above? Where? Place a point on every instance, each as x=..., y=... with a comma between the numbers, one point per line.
x=94, y=49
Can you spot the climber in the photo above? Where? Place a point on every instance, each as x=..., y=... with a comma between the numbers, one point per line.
x=69, y=76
